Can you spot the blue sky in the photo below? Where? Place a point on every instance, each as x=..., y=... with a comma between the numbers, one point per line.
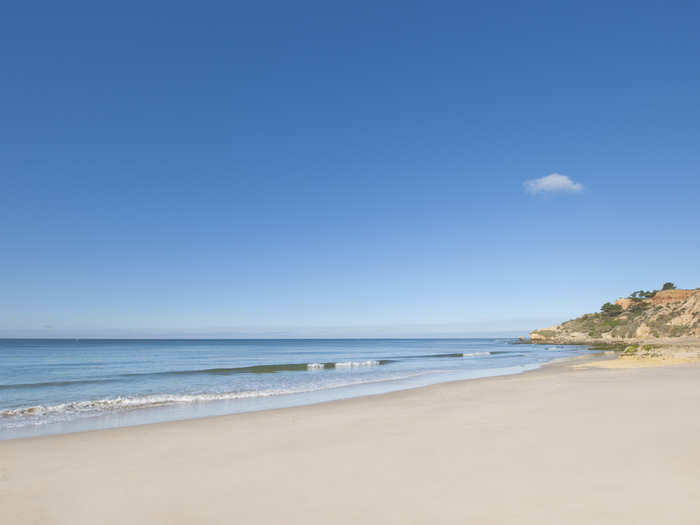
x=357, y=170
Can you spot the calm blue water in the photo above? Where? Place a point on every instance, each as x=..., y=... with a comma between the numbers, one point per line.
x=55, y=386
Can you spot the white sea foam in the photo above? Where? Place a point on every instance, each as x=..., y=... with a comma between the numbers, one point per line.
x=99, y=406
x=355, y=364
x=475, y=354
x=154, y=400
x=315, y=366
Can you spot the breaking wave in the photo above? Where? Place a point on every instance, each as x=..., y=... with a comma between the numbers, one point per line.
x=98, y=406
x=128, y=402
x=254, y=369
x=272, y=369
x=355, y=364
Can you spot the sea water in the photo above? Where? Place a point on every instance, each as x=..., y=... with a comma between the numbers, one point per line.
x=61, y=385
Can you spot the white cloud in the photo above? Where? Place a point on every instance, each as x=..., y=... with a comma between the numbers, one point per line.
x=550, y=183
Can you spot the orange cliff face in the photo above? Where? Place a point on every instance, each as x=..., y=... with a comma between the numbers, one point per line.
x=673, y=296
x=624, y=302
x=663, y=297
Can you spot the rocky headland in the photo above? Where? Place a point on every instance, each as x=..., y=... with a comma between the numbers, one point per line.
x=658, y=325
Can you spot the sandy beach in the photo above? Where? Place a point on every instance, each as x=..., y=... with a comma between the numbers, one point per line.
x=564, y=444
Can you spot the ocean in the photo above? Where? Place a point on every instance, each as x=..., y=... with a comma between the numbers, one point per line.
x=63, y=385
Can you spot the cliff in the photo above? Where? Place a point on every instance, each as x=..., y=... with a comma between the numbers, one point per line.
x=644, y=316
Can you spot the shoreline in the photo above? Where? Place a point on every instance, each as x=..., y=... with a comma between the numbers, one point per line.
x=182, y=411
x=593, y=356
x=567, y=442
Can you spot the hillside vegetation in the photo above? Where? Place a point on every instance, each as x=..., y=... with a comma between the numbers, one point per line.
x=668, y=313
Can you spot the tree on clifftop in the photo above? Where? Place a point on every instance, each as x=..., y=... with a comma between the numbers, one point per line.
x=669, y=286
x=611, y=310
x=642, y=294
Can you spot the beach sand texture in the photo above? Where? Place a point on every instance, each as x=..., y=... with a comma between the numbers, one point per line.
x=558, y=445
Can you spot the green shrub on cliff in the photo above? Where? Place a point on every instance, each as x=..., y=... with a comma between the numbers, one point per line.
x=611, y=310
x=642, y=294
x=638, y=306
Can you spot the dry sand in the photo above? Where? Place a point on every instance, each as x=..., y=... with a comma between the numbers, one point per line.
x=562, y=445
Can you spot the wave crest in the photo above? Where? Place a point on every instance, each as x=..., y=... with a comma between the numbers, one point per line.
x=128, y=402
x=356, y=364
